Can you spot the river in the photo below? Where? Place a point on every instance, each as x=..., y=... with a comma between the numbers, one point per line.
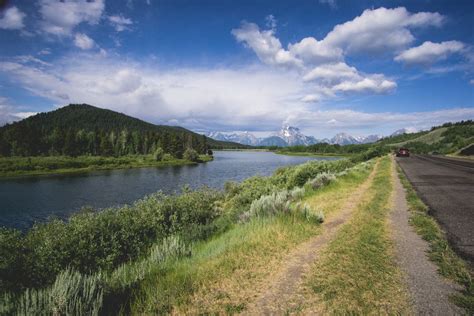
x=24, y=201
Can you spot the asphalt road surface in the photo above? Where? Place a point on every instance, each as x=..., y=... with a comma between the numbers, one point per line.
x=447, y=186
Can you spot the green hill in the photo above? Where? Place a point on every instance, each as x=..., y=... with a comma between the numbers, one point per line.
x=81, y=129
x=448, y=138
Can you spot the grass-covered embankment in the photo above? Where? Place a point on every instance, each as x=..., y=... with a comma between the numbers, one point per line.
x=450, y=265
x=357, y=273
x=97, y=260
x=224, y=273
x=31, y=166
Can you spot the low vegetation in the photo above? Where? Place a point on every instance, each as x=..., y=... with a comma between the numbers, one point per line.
x=449, y=264
x=117, y=247
x=28, y=166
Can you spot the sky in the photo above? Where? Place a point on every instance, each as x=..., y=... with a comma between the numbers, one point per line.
x=324, y=66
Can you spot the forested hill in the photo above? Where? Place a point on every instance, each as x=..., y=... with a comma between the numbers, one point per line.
x=81, y=129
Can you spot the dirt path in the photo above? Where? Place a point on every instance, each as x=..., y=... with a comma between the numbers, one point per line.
x=278, y=296
x=429, y=291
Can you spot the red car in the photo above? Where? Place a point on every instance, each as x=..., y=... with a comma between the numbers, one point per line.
x=403, y=152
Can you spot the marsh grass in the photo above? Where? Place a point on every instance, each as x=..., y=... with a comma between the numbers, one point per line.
x=357, y=273
x=450, y=265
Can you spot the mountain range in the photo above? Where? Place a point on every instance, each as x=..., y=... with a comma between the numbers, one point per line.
x=292, y=136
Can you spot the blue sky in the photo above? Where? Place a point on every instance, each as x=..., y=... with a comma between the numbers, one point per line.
x=361, y=67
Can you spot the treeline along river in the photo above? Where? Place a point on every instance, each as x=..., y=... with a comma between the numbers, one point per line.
x=24, y=201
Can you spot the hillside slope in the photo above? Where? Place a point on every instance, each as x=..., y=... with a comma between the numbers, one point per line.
x=446, y=139
x=79, y=129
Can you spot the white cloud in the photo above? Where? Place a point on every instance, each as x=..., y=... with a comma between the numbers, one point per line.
x=380, y=30
x=45, y=51
x=250, y=98
x=373, y=83
x=195, y=98
x=119, y=22
x=83, y=41
x=271, y=21
x=332, y=3
x=9, y=113
x=325, y=123
x=332, y=73
x=428, y=53
x=61, y=17
x=313, y=51
x=12, y=19
x=471, y=81
x=267, y=47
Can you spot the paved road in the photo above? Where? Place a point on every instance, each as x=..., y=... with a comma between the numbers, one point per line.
x=447, y=187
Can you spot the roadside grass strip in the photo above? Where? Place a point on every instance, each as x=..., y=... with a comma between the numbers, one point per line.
x=450, y=265
x=357, y=273
x=224, y=274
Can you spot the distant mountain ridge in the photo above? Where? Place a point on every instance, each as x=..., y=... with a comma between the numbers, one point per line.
x=290, y=136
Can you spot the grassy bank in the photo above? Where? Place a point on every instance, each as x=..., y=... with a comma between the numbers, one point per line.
x=224, y=273
x=112, y=257
x=449, y=264
x=32, y=166
x=357, y=273
x=309, y=154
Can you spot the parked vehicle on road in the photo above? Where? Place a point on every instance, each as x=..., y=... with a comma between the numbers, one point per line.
x=403, y=152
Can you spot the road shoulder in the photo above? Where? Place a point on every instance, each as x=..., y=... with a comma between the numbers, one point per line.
x=429, y=291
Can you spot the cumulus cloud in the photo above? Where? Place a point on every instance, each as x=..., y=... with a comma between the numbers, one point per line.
x=83, y=41
x=428, y=53
x=312, y=51
x=192, y=97
x=374, y=83
x=119, y=22
x=264, y=43
x=380, y=30
x=322, y=62
x=12, y=19
x=61, y=17
x=250, y=98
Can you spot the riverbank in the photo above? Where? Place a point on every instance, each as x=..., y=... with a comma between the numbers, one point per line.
x=56, y=165
x=308, y=154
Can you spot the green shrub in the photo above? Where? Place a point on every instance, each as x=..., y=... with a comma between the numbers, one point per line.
x=297, y=193
x=167, y=157
x=93, y=241
x=321, y=180
x=158, y=154
x=309, y=215
x=269, y=205
x=191, y=155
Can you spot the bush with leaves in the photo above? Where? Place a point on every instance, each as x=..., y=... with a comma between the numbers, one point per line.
x=93, y=241
x=321, y=180
x=191, y=155
x=158, y=154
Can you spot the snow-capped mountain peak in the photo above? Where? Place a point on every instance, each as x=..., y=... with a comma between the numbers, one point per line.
x=290, y=136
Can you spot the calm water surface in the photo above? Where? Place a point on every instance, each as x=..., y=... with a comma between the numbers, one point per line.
x=24, y=201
